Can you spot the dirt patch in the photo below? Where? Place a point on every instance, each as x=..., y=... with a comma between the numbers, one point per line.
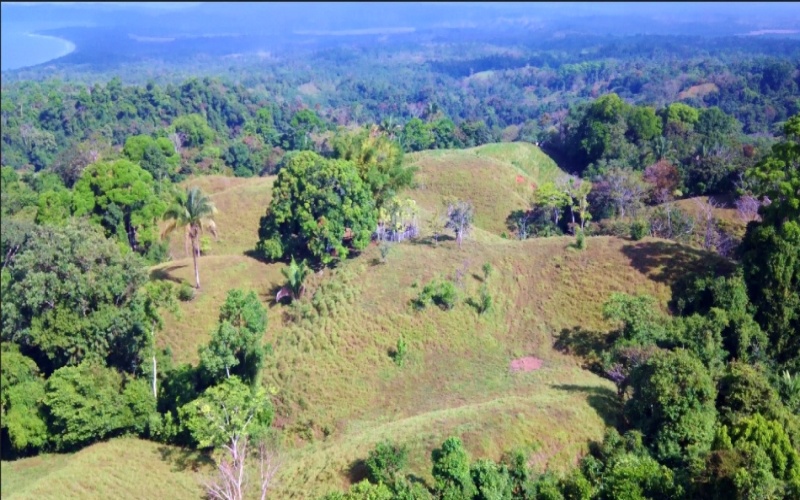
x=527, y=364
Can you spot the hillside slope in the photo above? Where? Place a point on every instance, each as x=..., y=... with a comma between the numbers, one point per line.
x=336, y=389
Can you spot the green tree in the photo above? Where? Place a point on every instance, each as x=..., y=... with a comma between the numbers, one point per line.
x=385, y=462
x=771, y=249
x=631, y=476
x=228, y=412
x=239, y=158
x=745, y=391
x=303, y=123
x=643, y=124
x=193, y=130
x=551, y=199
x=237, y=339
x=673, y=406
x=21, y=394
x=68, y=293
x=314, y=203
x=769, y=466
x=417, y=135
x=379, y=161
x=14, y=194
x=88, y=402
x=121, y=197
x=682, y=114
x=451, y=472
x=491, y=481
x=55, y=207
x=193, y=212
x=640, y=321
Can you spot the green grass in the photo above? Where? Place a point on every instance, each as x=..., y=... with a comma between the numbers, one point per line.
x=120, y=468
x=337, y=390
x=496, y=178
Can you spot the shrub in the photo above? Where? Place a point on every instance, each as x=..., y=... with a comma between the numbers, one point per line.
x=400, y=352
x=385, y=462
x=205, y=245
x=639, y=230
x=485, y=301
x=487, y=270
x=580, y=240
x=440, y=292
x=185, y=292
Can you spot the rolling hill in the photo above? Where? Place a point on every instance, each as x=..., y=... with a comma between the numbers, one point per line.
x=337, y=391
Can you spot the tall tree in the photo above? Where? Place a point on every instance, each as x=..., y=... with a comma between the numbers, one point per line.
x=771, y=248
x=193, y=212
x=315, y=203
x=237, y=340
x=120, y=196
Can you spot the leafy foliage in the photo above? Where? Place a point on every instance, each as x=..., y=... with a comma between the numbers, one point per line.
x=230, y=410
x=315, y=202
x=673, y=406
x=89, y=402
x=120, y=196
x=237, y=340
x=68, y=294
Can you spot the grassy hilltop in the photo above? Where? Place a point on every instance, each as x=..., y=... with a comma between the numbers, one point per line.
x=337, y=391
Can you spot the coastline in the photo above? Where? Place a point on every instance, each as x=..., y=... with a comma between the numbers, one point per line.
x=69, y=47
x=32, y=49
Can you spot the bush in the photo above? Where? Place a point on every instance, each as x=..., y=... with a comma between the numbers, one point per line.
x=399, y=355
x=440, y=292
x=485, y=301
x=185, y=292
x=580, y=240
x=385, y=462
x=487, y=270
x=205, y=245
x=639, y=230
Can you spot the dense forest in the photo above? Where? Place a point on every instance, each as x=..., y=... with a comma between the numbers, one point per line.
x=94, y=167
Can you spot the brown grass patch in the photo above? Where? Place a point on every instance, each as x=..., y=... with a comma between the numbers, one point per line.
x=701, y=90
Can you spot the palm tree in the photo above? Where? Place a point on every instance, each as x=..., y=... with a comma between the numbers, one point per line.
x=192, y=212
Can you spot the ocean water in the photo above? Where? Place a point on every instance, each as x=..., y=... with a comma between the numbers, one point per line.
x=21, y=47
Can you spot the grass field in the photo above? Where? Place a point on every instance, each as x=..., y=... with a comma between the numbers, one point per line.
x=337, y=390
x=121, y=468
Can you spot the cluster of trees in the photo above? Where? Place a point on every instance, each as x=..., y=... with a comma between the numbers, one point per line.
x=705, y=145
x=79, y=320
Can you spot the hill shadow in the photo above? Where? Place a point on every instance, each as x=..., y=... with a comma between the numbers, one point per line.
x=667, y=262
x=181, y=459
x=602, y=399
x=164, y=274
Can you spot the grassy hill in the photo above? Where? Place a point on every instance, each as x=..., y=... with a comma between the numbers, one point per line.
x=121, y=468
x=496, y=178
x=336, y=389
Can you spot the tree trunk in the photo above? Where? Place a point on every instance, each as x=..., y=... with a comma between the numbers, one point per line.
x=195, y=250
x=155, y=392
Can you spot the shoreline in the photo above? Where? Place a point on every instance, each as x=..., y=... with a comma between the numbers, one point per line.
x=64, y=48
x=69, y=47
